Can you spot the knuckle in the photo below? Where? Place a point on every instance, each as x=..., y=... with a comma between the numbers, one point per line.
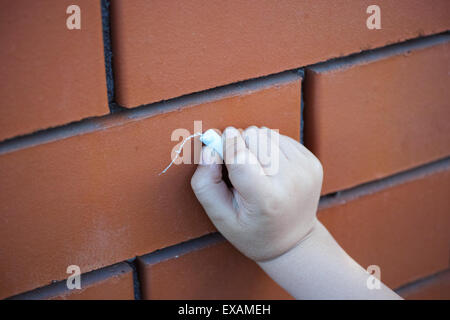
x=230, y=133
x=194, y=182
x=227, y=129
x=251, y=130
x=304, y=150
x=317, y=167
x=273, y=205
x=198, y=183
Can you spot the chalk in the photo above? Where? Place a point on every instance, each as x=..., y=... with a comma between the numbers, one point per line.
x=212, y=139
x=179, y=151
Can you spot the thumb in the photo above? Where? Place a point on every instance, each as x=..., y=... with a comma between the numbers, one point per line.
x=209, y=188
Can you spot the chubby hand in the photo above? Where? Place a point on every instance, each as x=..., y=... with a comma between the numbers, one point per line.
x=276, y=182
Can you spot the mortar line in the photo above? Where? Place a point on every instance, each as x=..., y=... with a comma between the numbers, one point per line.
x=92, y=124
x=191, y=245
x=368, y=188
x=420, y=282
x=390, y=181
x=107, y=51
x=59, y=287
x=140, y=112
x=182, y=248
x=136, y=282
x=372, y=55
x=302, y=103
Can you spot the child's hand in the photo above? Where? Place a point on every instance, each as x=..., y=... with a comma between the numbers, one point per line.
x=271, y=208
x=265, y=214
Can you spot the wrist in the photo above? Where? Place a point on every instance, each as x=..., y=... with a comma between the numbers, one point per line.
x=314, y=235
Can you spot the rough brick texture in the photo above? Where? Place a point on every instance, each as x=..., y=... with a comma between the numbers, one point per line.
x=436, y=287
x=111, y=283
x=164, y=49
x=50, y=75
x=377, y=114
x=215, y=270
x=403, y=228
x=79, y=179
x=96, y=198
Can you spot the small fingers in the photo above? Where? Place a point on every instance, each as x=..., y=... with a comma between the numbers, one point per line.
x=290, y=149
x=264, y=144
x=299, y=154
x=244, y=169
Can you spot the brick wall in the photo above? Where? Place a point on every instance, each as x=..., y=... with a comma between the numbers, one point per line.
x=83, y=139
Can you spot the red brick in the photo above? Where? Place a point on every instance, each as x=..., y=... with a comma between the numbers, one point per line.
x=110, y=283
x=214, y=271
x=50, y=75
x=95, y=198
x=377, y=114
x=436, y=287
x=403, y=228
x=164, y=49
